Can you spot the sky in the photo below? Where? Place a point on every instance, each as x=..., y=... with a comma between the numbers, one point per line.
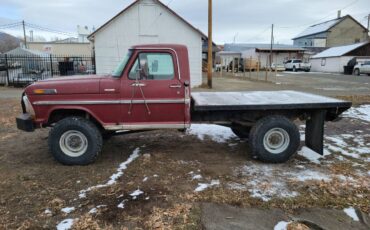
x=234, y=20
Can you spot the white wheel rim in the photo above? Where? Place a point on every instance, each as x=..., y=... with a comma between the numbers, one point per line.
x=73, y=143
x=276, y=140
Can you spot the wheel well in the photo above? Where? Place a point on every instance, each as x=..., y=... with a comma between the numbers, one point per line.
x=60, y=114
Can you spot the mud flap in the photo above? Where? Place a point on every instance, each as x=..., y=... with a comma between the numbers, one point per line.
x=315, y=131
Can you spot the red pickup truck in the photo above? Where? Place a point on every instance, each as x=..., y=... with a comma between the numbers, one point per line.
x=149, y=90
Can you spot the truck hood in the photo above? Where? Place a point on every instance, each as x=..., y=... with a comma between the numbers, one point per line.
x=84, y=84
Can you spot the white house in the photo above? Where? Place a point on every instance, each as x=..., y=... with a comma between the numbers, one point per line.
x=146, y=22
x=334, y=59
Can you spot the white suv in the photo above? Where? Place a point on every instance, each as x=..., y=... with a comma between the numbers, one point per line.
x=362, y=68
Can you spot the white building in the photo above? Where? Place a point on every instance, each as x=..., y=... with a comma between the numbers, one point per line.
x=261, y=52
x=334, y=59
x=146, y=22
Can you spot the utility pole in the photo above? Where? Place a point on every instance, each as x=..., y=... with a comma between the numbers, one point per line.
x=210, y=45
x=24, y=34
x=368, y=23
x=272, y=42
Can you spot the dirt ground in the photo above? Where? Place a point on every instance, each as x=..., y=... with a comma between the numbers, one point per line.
x=171, y=174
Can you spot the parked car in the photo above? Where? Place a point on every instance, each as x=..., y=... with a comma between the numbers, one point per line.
x=150, y=90
x=277, y=67
x=362, y=68
x=297, y=65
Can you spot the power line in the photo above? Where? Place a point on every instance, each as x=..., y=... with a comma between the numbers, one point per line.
x=259, y=34
x=38, y=27
x=317, y=21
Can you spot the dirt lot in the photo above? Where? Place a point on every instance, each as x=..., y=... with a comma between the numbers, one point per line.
x=158, y=179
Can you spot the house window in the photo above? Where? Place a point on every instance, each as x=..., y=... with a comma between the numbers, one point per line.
x=323, y=61
x=153, y=66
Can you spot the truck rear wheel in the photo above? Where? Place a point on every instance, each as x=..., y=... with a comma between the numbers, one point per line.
x=241, y=131
x=274, y=139
x=75, y=141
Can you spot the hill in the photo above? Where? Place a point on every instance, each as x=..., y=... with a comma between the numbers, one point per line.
x=8, y=42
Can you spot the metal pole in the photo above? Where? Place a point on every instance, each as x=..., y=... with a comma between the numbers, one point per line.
x=51, y=65
x=368, y=23
x=210, y=44
x=24, y=34
x=7, y=70
x=272, y=41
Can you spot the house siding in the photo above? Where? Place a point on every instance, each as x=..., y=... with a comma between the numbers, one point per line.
x=131, y=28
x=346, y=32
x=332, y=65
x=308, y=41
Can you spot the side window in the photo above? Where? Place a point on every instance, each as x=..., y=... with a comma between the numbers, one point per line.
x=153, y=66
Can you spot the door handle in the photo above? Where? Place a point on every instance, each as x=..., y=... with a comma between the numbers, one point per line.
x=138, y=85
x=175, y=86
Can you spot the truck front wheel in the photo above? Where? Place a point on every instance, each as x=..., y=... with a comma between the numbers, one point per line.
x=75, y=141
x=274, y=139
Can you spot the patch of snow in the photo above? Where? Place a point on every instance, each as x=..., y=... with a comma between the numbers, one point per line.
x=65, y=224
x=113, y=179
x=310, y=175
x=342, y=144
x=203, y=186
x=121, y=205
x=68, y=209
x=47, y=212
x=267, y=181
x=351, y=212
x=93, y=211
x=310, y=155
x=155, y=175
x=216, y=133
x=136, y=193
x=197, y=177
x=360, y=113
x=145, y=179
x=282, y=225
x=338, y=51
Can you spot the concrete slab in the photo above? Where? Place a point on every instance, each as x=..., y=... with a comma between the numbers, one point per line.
x=330, y=219
x=225, y=217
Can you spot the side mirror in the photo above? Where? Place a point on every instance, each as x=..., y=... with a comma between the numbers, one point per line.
x=187, y=83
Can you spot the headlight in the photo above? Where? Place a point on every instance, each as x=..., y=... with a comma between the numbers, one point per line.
x=28, y=105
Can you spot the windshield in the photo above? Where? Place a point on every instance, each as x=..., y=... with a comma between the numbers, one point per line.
x=118, y=71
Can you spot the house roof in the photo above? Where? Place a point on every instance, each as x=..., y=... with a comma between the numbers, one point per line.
x=324, y=27
x=239, y=47
x=339, y=50
x=90, y=37
x=23, y=51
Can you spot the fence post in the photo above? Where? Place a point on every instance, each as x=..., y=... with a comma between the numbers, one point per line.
x=93, y=62
x=7, y=70
x=51, y=65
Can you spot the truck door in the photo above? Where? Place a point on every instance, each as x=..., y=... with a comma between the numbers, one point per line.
x=153, y=94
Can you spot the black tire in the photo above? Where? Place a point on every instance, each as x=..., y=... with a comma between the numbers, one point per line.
x=356, y=72
x=84, y=132
x=241, y=131
x=279, y=126
x=368, y=74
